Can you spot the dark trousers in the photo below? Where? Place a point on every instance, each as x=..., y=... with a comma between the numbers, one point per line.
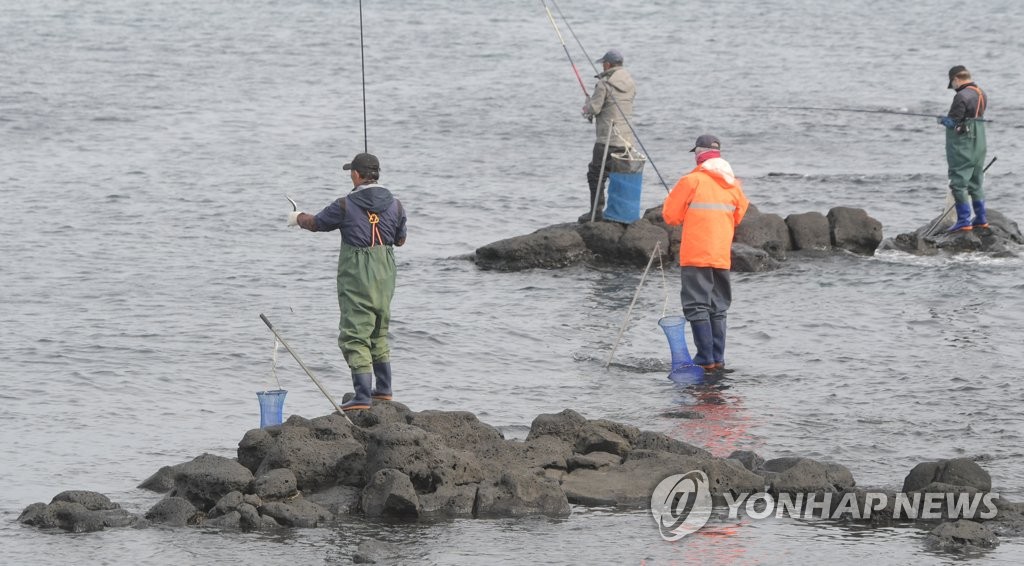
x=594, y=177
x=706, y=293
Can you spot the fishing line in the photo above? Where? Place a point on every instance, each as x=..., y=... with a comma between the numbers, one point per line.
x=362, y=68
x=273, y=363
x=617, y=107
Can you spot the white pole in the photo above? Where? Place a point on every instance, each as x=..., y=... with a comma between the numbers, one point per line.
x=600, y=185
x=629, y=312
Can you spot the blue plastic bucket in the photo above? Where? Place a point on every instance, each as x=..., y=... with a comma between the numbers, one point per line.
x=624, y=197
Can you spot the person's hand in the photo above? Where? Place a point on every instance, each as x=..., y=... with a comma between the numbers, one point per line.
x=588, y=112
x=293, y=218
x=946, y=121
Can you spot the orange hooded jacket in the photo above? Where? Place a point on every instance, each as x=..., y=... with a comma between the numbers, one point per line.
x=709, y=203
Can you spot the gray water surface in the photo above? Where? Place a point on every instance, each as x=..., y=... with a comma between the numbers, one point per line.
x=146, y=148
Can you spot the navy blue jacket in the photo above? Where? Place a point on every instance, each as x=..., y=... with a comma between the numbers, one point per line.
x=969, y=102
x=351, y=215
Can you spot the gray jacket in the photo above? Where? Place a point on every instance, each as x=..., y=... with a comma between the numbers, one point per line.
x=614, y=83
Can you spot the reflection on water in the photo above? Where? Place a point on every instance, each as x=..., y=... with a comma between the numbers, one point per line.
x=722, y=425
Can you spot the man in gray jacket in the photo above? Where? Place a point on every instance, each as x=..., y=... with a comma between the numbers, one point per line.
x=611, y=108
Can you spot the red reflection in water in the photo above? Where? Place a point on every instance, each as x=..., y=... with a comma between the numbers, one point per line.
x=723, y=427
x=714, y=545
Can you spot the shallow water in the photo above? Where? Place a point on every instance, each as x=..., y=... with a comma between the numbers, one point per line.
x=147, y=149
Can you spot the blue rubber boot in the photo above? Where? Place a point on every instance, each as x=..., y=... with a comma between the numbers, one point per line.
x=704, y=341
x=963, y=218
x=382, y=372
x=362, y=382
x=980, y=220
x=718, y=344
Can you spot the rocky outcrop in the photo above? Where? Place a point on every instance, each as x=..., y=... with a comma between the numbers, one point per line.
x=551, y=247
x=764, y=231
x=961, y=536
x=78, y=512
x=207, y=478
x=804, y=475
x=1002, y=238
x=173, y=512
x=809, y=231
x=762, y=241
x=392, y=463
x=961, y=472
x=853, y=230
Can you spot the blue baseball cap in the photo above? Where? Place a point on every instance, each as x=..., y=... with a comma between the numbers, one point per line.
x=613, y=56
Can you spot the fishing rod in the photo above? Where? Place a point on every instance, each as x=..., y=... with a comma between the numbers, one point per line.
x=362, y=68
x=617, y=107
x=566, y=49
x=928, y=231
x=863, y=110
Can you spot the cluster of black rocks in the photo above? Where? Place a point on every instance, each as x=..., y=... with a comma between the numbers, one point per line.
x=763, y=241
x=394, y=462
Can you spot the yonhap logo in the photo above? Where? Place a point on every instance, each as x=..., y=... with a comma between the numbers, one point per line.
x=681, y=504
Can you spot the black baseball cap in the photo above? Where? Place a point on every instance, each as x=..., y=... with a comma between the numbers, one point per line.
x=364, y=163
x=953, y=72
x=707, y=140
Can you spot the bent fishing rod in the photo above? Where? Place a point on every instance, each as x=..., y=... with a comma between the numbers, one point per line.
x=617, y=107
x=566, y=49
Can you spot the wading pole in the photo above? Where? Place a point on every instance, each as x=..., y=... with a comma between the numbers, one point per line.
x=655, y=252
x=304, y=368
x=931, y=227
x=600, y=185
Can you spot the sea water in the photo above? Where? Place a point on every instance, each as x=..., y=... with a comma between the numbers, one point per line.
x=146, y=149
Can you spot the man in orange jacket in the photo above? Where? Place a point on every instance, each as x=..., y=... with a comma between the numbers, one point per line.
x=709, y=203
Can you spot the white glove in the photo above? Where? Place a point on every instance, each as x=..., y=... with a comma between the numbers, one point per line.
x=293, y=218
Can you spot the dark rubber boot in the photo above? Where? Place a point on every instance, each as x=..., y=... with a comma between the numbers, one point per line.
x=718, y=327
x=980, y=219
x=382, y=372
x=704, y=341
x=362, y=382
x=963, y=218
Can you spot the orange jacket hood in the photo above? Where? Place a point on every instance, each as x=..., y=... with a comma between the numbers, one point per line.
x=709, y=203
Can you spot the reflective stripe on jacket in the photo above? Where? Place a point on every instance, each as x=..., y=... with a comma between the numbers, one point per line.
x=709, y=203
